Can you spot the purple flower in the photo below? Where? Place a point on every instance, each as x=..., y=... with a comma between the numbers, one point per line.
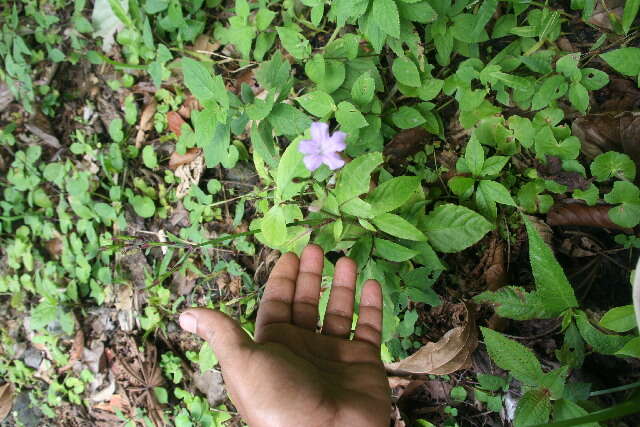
x=322, y=147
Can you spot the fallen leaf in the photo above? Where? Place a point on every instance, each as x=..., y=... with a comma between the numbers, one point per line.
x=211, y=384
x=189, y=174
x=450, y=354
x=54, y=247
x=190, y=104
x=6, y=400
x=175, y=122
x=145, y=121
x=39, y=126
x=542, y=228
x=6, y=97
x=182, y=159
x=577, y=214
x=495, y=274
x=601, y=14
x=404, y=144
x=552, y=170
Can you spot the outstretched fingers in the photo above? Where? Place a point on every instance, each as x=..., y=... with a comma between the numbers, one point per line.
x=339, y=315
x=369, y=326
x=275, y=305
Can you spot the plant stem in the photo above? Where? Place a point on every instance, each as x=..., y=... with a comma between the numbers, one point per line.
x=615, y=389
x=626, y=408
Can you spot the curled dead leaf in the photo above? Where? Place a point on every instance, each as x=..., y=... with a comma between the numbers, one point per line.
x=580, y=215
x=175, y=122
x=54, y=247
x=495, y=274
x=145, y=121
x=451, y=353
x=183, y=159
x=603, y=12
x=6, y=400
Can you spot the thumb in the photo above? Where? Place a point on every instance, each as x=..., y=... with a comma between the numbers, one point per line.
x=227, y=339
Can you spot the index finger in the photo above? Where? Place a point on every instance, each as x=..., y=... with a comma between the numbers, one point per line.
x=275, y=305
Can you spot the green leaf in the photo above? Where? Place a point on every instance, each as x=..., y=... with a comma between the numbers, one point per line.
x=274, y=227
x=417, y=11
x=626, y=60
x=288, y=120
x=355, y=176
x=564, y=409
x=594, y=79
x=491, y=382
x=534, y=408
x=275, y=73
x=290, y=167
x=392, y=251
x=398, y=227
x=406, y=72
x=579, y=97
x=619, y=319
x=474, y=156
x=115, y=130
x=386, y=16
x=632, y=349
x=514, y=302
x=202, y=84
x=629, y=15
x=612, y=164
x=149, y=157
x=552, y=88
x=143, y=206
x=601, y=342
x=349, y=116
x=363, y=89
x=551, y=283
x=627, y=214
x=512, y=356
x=494, y=165
x=452, y=228
x=407, y=118
x=496, y=192
x=393, y=193
x=568, y=65
x=462, y=186
x=294, y=42
x=318, y=103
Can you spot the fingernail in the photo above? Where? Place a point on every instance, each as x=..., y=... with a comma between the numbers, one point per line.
x=188, y=322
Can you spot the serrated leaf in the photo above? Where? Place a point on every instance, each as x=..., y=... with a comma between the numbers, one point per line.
x=513, y=357
x=551, y=282
x=398, y=227
x=294, y=42
x=363, y=89
x=599, y=341
x=514, y=302
x=452, y=228
x=386, y=16
x=534, y=408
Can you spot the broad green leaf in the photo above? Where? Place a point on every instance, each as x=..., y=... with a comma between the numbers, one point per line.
x=318, y=103
x=612, y=164
x=579, y=97
x=632, y=349
x=629, y=15
x=514, y=302
x=627, y=214
x=407, y=118
x=392, y=251
x=202, y=84
x=274, y=227
x=568, y=65
x=290, y=167
x=149, y=157
x=275, y=73
x=619, y=319
x=552, y=88
x=398, y=227
x=564, y=409
x=496, y=192
x=594, y=79
x=344, y=47
x=417, y=11
x=349, y=116
x=491, y=382
x=534, y=408
x=625, y=60
x=512, y=356
x=453, y=228
x=474, y=156
x=386, y=16
x=355, y=176
x=393, y=193
x=143, y=206
x=493, y=165
x=462, y=186
x=363, y=89
x=406, y=72
x=262, y=142
x=294, y=42
x=601, y=342
x=288, y=120
x=551, y=283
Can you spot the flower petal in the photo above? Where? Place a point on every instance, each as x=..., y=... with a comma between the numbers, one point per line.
x=309, y=146
x=335, y=142
x=319, y=131
x=312, y=162
x=333, y=160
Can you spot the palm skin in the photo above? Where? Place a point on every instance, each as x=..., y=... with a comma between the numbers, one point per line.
x=291, y=375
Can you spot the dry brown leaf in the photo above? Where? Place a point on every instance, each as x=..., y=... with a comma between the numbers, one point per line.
x=603, y=11
x=495, y=275
x=6, y=400
x=54, y=247
x=580, y=215
x=450, y=354
x=145, y=121
x=406, y=143
x=40, y=126
x=552, y=170
x=175, y=121
x=183, y=159
x=190, y=104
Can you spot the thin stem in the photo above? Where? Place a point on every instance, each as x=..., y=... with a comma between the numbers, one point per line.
x=626, y=408
x=615, y=389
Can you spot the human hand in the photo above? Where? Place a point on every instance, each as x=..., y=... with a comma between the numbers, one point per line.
x=291, y=375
